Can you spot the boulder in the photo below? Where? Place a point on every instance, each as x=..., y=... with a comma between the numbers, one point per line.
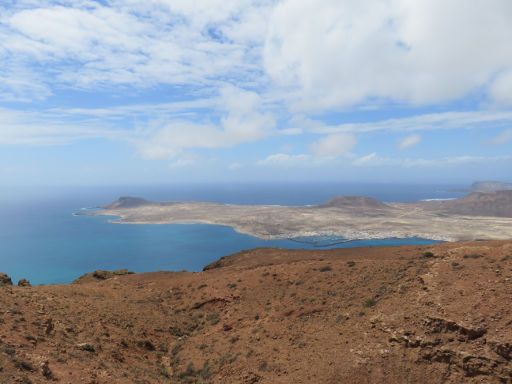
x=5, y=279
x=24, y=283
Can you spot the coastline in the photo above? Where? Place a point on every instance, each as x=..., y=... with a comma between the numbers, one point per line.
x=346, y=236
x=396, y=220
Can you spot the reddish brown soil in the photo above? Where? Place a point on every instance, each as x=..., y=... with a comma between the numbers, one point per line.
x=372, y=315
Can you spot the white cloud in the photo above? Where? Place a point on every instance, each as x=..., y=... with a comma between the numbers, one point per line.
x=332, y=146
x=83, y=44
x=242, y=122
x=20, y=85
x=185, y=161
x=235, y=166
x=346, y=52
x=160, y=110
x=374, y=160
x=409, y=141
x=323, y=151
x=425, y=122
x=283, y=160
x=341, y=53
x=501, y=89
x=26, y=128
x=281, y=56
x=503, y=138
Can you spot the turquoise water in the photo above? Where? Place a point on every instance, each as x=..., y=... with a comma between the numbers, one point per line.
x=42, y=241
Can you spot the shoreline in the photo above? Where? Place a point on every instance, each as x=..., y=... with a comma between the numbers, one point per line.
x=347, y=236
x=285, y=236
x=266, y=222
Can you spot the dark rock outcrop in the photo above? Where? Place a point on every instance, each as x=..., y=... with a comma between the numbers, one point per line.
x=24, y=283
x=503, y=349
x=5, y=279
x=439, y=325
x=101, y=275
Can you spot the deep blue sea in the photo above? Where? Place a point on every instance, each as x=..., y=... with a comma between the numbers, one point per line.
x=42, y=241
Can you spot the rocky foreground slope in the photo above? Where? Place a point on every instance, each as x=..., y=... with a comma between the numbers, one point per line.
x=439, y=314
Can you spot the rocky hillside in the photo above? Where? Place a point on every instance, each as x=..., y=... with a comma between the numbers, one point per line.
x=497, y=204
x=438, y=314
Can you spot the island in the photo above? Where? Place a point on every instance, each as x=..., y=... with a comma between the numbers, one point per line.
x=477, y=216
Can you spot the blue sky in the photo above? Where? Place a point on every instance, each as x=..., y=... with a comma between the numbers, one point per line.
x=159, y=91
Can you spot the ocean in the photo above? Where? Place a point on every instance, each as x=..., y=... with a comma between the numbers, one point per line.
x=41, y=239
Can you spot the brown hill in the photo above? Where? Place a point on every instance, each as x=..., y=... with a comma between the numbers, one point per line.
x=490, y=186
x=437, y=314
x=498, y=204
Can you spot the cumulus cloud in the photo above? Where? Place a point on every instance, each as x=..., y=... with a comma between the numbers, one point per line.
x=239, y=70
x=325, y=54
x=346, y=52
x=326, y=149
x=332, y=146
x=409, y=141
x=241, y=122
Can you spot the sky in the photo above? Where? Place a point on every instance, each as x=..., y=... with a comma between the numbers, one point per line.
x=160, y=91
